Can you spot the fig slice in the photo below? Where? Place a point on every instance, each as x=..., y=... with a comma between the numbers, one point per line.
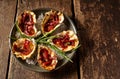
x=51, y=21
x=65, y=41
x=47, y=58
x=24, y=48
x=26, y=24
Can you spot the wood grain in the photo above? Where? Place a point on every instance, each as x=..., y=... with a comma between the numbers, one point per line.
x=62, y=5
x=7, y=12
x=17, y=71
x=99, y=26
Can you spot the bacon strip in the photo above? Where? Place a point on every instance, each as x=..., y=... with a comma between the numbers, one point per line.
x=63, y=41
x=51, y=23
x=26, y=24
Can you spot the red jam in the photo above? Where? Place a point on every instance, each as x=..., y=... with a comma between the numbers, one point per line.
x=26, y=24
x=64, y=41
x=45, y=57
x=51, y=23
x=23, y=48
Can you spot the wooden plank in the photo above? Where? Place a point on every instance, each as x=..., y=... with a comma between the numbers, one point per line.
x=7, y=12
x=17, y=71
x=59, y=5
x=98, y=22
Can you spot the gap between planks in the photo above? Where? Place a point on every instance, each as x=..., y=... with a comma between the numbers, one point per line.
x=10, y=49
x=77, y=54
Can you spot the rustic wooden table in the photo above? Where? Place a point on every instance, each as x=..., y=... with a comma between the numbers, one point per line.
x=98, y=26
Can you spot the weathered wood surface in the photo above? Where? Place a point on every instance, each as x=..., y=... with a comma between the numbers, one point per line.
x=17, y=71
x=7, y=12
x=99, y=28
x=98, y=24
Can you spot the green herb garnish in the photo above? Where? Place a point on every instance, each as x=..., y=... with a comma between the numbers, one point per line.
x=56, y=49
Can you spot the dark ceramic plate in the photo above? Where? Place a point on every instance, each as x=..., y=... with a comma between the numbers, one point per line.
x=67, y=25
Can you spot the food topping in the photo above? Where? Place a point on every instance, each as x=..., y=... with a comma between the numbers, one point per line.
x=45, y=57
x=27, y=24
x=51, y=23
x=24, y=47
x=63, y=41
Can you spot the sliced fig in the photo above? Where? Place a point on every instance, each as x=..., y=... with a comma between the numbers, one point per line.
x=24, y=48
x=65, y=41
x=47, y=59
x=51, y=21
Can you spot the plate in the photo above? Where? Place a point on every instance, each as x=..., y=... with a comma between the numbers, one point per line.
x=67, y=25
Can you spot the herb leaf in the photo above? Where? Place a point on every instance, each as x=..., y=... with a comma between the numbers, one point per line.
x=57, y=50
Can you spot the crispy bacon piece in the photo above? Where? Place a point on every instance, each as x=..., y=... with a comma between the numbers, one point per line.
x=26, y=24
x=23, y=48
x=47, y=59
x=51, y=23
x=65, y=41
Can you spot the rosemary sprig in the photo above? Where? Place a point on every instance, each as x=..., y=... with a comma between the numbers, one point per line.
x=13, y=38
x=60, y=52
x=50, y=37
x=76, y=47
x=45, y=38
x=45, y=35
x=57, y=50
